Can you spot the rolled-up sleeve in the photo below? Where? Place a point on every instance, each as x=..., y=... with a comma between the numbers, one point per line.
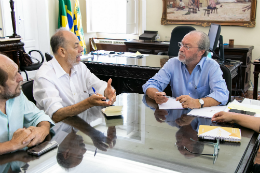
x=218, y=86
x=160, y=80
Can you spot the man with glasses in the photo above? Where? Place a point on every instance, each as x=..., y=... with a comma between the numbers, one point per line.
x=196, y=81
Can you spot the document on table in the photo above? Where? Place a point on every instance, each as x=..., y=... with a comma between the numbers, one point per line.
x=206, y=112
x=171, y=104
x=246, y=105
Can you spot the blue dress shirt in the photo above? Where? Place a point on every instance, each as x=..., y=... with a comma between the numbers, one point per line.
x=205, y=80
x=20, y=112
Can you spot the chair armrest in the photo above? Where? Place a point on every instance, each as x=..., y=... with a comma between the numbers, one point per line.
x=39, y=53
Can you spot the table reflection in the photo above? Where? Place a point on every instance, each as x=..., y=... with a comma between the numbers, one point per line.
x=187, y=134
x=71, y=150
x=147, y=138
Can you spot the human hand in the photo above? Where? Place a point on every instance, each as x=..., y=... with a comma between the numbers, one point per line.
x=184, y=120
x=100, y=140
x=18, y=138
x=223, y=117
x=37, y=135
x=188, y=102
x=110, y=92
x=160, y=115
x=98, y=100
x=160, y=97
x=111, y=134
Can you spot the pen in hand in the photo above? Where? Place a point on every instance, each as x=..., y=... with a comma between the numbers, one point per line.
x=94, y=90
x=166, y=96
x=96, y=93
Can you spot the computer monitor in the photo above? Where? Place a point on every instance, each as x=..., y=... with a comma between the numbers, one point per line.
x=214, y=33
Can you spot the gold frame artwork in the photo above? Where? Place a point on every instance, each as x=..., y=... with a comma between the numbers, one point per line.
x=205, y=12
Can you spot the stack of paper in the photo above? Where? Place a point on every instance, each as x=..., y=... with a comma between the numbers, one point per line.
x=244, y=106
x=113, y=115
x=113, y=110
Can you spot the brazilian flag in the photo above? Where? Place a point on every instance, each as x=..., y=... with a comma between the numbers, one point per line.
x=65, y=15
x=63, y=20
x=69, y=14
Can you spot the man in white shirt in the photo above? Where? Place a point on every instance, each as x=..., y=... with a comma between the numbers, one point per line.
x=63, y=87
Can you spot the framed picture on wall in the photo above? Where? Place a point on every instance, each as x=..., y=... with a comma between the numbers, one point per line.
x=205, y=12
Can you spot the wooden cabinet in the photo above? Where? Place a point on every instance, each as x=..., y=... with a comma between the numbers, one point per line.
x=12, y=48
x=242, y=53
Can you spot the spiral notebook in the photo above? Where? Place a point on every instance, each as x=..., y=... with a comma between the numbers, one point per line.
x=216, y=132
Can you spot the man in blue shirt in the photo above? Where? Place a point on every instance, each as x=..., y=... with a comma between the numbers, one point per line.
x=196, y=81
x=22, y=124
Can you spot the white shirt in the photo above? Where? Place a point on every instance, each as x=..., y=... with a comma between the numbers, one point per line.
x=53, y=88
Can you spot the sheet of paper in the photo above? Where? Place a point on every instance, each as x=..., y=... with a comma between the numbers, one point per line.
x=171, y=104
x=206, y=112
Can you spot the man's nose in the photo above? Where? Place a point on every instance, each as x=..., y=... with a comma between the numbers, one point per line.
x=81, y=49
x=20, y=78
x=181, y=49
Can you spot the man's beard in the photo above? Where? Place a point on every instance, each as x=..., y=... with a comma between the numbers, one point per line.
x=8, y=95
x=182, y=60
x=72, y=61
x=185, y=60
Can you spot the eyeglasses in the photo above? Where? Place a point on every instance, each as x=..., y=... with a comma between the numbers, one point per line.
x=215, y=145
x=186, y=47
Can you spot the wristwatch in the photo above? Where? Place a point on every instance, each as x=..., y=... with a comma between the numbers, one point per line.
x=201, y=103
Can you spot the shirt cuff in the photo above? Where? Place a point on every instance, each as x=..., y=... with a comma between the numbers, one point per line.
x=53, y=108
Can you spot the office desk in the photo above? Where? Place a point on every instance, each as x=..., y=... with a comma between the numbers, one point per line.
x=141, y=144
x=129, y=74
x=256, y=75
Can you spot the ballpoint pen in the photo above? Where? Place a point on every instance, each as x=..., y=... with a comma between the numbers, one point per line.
x=95, y=152
x=94, y=90
x=96, y=147
x=96, y=93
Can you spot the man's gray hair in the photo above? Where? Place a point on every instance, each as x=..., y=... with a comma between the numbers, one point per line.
x=58, y=40
x=203, y=43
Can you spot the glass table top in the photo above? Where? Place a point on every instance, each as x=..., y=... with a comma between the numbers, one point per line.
x=143, y=139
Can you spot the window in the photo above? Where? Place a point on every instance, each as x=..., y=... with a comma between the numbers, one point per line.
x=112, y=16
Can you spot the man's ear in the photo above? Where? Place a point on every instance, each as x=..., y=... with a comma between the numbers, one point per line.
x=201, y=52
x=62, y=51
x=1, y=89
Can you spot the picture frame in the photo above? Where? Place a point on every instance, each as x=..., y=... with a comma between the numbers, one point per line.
x=205, y=12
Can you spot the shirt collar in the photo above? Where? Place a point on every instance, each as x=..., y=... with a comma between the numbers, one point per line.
x=59, y=70
x=201, y=63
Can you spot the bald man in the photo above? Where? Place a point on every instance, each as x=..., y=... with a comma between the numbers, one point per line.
x=196, y=81
x=64, y=87
x=22, y=124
